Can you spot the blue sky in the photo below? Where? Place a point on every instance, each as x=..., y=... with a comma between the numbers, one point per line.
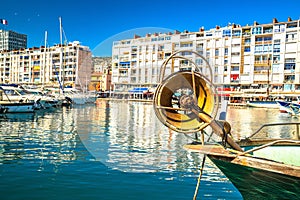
x=96, y=23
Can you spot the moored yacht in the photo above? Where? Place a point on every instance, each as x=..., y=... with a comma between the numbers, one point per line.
x=15, y=100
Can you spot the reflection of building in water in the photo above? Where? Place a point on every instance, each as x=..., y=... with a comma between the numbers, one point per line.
x=40, y=136
x=246, y=121
x=130, y=138
x=123, y=136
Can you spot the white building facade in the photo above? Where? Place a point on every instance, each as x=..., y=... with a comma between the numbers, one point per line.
x=241, y=57
x=68, y=65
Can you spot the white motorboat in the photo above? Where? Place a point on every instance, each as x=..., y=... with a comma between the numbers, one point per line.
x=17, y=107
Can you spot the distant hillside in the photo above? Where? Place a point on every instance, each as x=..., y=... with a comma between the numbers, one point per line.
x=102, y=60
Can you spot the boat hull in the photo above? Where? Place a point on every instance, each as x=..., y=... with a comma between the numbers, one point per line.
x=254, y=183
x=263, y=104
x=254, y=177
x=289, y=107
x=18, y=107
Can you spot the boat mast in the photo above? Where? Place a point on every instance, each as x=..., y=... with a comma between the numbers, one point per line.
x=61, y=69
x=268, y=85
x=44, y=65
x=60, y=30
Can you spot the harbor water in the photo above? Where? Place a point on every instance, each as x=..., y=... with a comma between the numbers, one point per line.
x=112, y=150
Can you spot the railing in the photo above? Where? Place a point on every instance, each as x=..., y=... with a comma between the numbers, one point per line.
x=297, y=124
x=267, y=145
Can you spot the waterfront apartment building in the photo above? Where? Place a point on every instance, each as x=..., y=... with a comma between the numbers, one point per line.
x=11, y=40
x=64, y=65
x=251, y=56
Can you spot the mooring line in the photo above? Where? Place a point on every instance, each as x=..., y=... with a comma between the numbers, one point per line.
x=199, y=178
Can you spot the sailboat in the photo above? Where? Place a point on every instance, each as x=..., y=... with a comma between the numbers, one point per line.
x=260, y=167
x=74, y=95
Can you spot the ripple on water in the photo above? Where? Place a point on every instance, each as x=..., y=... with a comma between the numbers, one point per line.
x=116, y=150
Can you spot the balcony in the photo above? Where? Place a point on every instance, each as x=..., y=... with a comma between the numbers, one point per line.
x=288, y=81
x=289, y=71
x=264, y=63
x=291, y=40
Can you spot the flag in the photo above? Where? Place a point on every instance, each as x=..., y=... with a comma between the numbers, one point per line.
x=4, y=21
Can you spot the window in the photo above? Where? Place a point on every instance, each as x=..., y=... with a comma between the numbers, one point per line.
x=207, y=54
x=236, y=33
x=275, y=68
x=279, y=28
x=267, y=39
x=226, y=33
x=289, y=78
x=290, y=60
x=124, y=64
x=167, y=54
x=186, y=53
x=267, y=48
x=276, y=48
x=216, y=69
x=268, y=30
x=184, y=62
x=256, y=30
x=247, y=41
x=258, y=39
x=276, y=58
x=226, y=51
x=292, y=25
x=258, y=49
x=291, y=37
x=217, y=52
x=199, y=61
x=247, y=49
x=235, y=53
x=186, y=44
x=123, y=72
x=277, y=41
x=289, y=66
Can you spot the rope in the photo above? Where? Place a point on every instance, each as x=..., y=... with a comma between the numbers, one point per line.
x=224, y=138
x=225, y=134
x=199, y=178
x=201, y=169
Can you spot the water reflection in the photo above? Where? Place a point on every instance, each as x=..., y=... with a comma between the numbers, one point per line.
x=38, y=136
x=59, y=154
x=128, y=137
x=124, y=136
x=245, y=121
